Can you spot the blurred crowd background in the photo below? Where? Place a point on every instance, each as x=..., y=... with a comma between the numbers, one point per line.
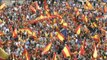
x=53, y=29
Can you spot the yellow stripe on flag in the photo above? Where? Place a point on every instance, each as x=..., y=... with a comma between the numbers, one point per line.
x=60, y=36
x=46, y=49
x=66, y=51
x=78, y=30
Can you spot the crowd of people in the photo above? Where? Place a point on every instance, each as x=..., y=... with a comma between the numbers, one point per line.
x=90, y=16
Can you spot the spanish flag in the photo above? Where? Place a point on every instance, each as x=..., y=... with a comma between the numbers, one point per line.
x=25, y=53
x=78, y=30
x=3, y=54
x=47, y=48
x=14, y=33
x=65, y=24
x=84, y=18
x=95, y=53
x=54, y=56
x=66, y=51
x=94, y=24
x=89, y=5
x=2, y=6
x=32, y=9
x=95, y=37
x=60, y=36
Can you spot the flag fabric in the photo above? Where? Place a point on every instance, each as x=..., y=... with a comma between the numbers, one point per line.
x=32, y=9
x=84, y=18
x=47, y=48
x=78, y=30
x=95, y=53
x=60, y=36
x=14, y=33
x=65, y=24
x=25, y=53
x=2, y=6
x=54, y=56
x=95, y=37
x=66, y=51
x=89, y=5
x=94, y=24
x=3, y=54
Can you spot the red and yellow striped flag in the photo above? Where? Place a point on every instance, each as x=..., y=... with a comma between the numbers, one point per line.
x=32, y=9
x=14, y=33
x=95, y=54
x=78, y=30
x=47, y=48
x=25, y=53
x=89, y=5
x=60, y=36
x=95, y=37
x=54, y=56
x=66, y=51
x=84, y=18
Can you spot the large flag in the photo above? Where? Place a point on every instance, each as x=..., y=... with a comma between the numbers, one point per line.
x=25, y=53
x=3, y=54
x=95, y=53
x=54, y=56
x=14, y=33
x=47, y=48
x=32, y=9
x=66, y=51
x=78, y=30
x=60, y=36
